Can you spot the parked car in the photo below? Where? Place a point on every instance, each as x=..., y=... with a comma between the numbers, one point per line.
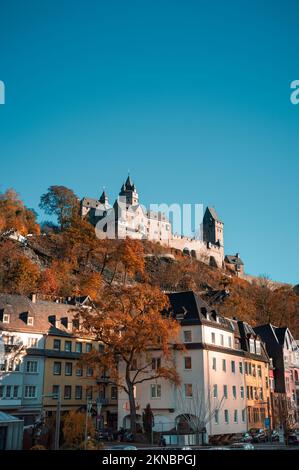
x=246, y=437
x=242, y=446
x=258, y=435
x=123, y=447
x=293, y=439
x=104, y=435
x=274, y=436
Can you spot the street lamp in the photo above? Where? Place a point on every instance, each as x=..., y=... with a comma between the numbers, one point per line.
x=88, y=410
x=58, y=414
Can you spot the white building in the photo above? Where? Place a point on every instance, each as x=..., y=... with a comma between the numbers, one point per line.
x=128, y=218
x=211, y=372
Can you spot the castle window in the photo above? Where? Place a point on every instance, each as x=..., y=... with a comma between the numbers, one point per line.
x=6, y=318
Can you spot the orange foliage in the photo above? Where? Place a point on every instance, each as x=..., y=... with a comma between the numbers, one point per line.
x=129, y=323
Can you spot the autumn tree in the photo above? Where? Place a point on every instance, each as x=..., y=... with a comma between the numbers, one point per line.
x=61, y=202
x=128, y=259
x=129, y=323
x=14, y=214
x=74, y=428
x=18, y=274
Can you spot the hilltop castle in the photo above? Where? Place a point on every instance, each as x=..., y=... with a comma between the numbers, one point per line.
x=128, y=218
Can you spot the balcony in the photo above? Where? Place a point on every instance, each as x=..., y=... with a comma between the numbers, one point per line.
x=10, y=402
x=103, y=401
x=104, y=379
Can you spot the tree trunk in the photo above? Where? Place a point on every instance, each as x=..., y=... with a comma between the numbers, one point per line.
x=131, y=401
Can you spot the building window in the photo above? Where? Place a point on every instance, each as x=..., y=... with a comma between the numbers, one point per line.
x=78, y=392
x=114, y=393
x=253, y=370
x=188, y=391
x=88, y=347
x=216, y=416
x=188, y=362
x=243, y=415
x=30, y=391
x=32, y=342
x=67, y=392
x=222, y=340
x=155, y=391
x=79, y=372
x=101, y=348
x=233, y=366
x=68, y=346
x=224, y=365
x=1, y=391
x=6, y=318
x=226, y=416
x=258, y=347
x=57, y=368
x=56, y=344
x=229, y=342
x=213, y=337
x=225, y=391
x=214, y=363
x=15, y=391
x=31, y=367
x=234, y=389
x=187, y=336
x=235, y=416
x=259, y=371
x=256, y=415
x=55, y=392
x=89, y=393
x=249, y=368
x=89, y=372
x=215, y=391
x=78, y=347
x=242, y=391
x=248, y=392
x=156, y=363
x=251, y=346
x=30, y=321
x=8, y=391
x=246, y=368
x=68, y=370
x=241, y=367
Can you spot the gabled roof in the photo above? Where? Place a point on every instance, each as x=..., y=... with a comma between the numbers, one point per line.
x=233, y=259
x=20, y=305
x=188, y=307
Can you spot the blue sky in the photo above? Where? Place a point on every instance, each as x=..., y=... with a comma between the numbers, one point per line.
x=191, y=96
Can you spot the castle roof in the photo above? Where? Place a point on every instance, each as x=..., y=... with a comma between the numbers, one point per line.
x=213, y=213
x=233, y=259
x=103, y=198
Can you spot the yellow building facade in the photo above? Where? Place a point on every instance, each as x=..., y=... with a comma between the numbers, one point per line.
x=257, y=392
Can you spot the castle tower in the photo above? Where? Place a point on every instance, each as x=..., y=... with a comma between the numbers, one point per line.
x=212, y=227
x=104, y=199
x=128, y=190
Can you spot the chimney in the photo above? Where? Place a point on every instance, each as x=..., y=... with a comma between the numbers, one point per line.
x=237, y=255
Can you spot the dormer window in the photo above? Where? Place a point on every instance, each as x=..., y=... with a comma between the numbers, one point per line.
x=6, y=318
x=30, y=321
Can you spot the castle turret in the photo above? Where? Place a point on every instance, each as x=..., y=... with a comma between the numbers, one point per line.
x=128, y=191
x=104, y=199
x=212, y=227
